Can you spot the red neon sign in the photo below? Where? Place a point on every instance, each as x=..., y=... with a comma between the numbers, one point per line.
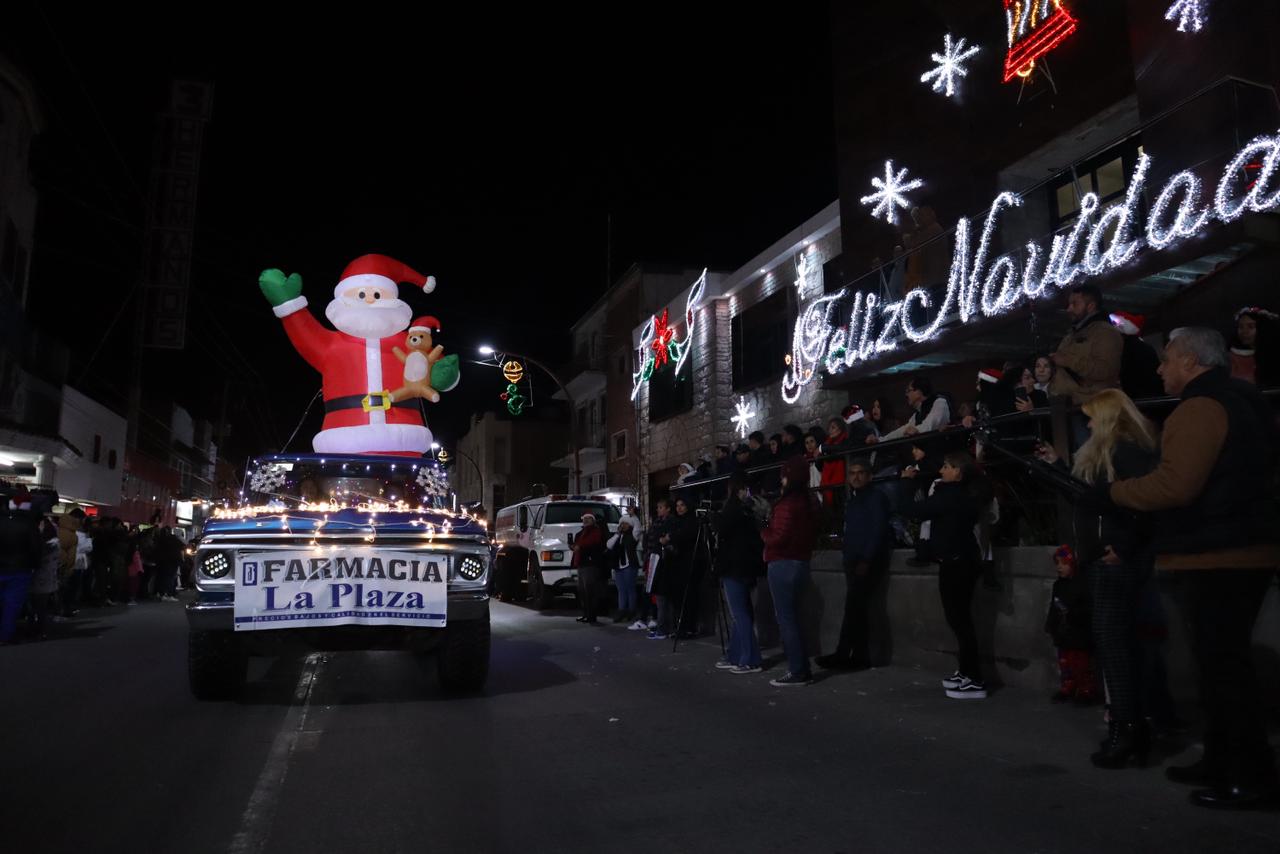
x=1036, y=27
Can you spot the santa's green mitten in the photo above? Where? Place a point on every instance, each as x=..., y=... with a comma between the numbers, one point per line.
x=446, y=373
x=277, y=288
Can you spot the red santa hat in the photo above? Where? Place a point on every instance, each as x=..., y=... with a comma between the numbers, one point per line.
x=425, y=324
x=852, y=414
x=990, y=375
x=1127, y=323
x=379, y=271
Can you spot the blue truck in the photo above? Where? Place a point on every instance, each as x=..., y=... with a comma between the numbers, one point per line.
x=331, y=552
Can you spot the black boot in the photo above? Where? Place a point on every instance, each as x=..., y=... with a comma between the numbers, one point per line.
x=1126, y=742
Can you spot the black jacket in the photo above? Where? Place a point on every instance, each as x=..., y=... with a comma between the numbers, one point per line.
x=866, y=526
x=953, y=511
x=1070, y=619
x=740, y=551
x=625, y=551
x=21, y=547
x=1138, y=366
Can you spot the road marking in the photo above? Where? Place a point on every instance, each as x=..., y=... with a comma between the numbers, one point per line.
x=255, y=823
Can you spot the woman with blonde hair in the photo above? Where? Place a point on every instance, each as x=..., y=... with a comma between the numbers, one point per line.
x=1122, y=444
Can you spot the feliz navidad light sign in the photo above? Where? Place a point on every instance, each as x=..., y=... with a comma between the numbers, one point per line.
x=981, y=287
x=658, y=343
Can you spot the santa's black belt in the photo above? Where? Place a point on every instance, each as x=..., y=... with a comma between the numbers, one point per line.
x=368, y=402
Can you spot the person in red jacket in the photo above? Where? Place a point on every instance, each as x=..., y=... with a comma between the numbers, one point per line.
x=788, y=546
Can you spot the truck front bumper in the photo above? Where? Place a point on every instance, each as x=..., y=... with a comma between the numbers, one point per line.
x=208, y=614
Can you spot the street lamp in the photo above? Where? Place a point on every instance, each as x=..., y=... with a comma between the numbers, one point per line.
x=486, y=350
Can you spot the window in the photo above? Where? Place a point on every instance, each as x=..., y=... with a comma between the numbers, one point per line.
x=670, y=395
x=97, y=449
x=499, y=495
x=761, y=338
x=618, y=446
x=111, y=460
x=570, y=513
x=1107, y=175
x=599, y=481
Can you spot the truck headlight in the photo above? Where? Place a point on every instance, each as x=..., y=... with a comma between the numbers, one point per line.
x=550, y=557
x=471, y=568
x=215, y=564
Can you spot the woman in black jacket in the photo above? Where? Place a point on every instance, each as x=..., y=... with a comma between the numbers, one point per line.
x=685, y=571
x=739, y=563
x=953, y=513
x=1121, y=445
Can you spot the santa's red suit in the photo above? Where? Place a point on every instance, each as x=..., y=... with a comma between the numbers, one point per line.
x=359, y=373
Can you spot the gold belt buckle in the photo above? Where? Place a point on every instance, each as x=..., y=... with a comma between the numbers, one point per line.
x=367, y=402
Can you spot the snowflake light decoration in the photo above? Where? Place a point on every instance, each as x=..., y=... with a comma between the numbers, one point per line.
x=950, y=65
x=433, y=482
x=744, y=417
x=267, y=477
x=1190, y=15
x=891, y=193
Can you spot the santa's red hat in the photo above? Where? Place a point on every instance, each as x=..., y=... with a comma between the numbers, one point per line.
x=425, y=324
x=1127, y=323
x=990, y=375
x=852, y=414
x=381, y=272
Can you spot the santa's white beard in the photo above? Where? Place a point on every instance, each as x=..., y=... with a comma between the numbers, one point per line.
x=356, y=317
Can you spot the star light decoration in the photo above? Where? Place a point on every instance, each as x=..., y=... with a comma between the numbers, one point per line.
x=433, y=482
x=891, y=193
x=662, y=335
x=1190, y=15
x=950, y=65
x=744, y=417
x=267, y=477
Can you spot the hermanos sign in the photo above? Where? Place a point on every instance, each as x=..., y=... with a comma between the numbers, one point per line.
x=980, y=286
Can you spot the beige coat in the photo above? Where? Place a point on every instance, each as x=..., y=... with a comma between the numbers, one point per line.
x=1088, y=361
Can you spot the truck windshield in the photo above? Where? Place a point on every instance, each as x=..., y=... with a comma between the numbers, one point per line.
x=348, y=484
x=563, y=514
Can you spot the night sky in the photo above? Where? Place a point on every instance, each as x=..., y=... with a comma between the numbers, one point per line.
x=488, y=151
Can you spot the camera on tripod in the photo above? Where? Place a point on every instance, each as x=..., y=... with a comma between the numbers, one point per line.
x=705, y=508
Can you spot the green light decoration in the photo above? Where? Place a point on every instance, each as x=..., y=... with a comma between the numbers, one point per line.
x=515, y=400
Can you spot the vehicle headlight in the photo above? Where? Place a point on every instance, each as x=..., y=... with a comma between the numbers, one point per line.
x=552, y=556
x=471, y=568
x=215, y=564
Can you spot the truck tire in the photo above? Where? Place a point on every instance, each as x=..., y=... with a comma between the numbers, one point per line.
x=215, y=665
x=463, y=659
x=540, y=595
x=506, y=577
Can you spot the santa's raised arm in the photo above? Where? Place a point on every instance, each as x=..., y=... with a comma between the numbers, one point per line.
x=356, y=361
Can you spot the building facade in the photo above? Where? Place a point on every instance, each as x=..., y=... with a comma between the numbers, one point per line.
x=503, y=459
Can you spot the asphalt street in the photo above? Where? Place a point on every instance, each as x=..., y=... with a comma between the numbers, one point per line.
x=586, y=739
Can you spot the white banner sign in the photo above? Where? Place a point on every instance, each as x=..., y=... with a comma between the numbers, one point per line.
x=347, y=586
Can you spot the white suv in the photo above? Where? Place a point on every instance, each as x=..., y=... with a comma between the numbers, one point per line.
x=535, y=544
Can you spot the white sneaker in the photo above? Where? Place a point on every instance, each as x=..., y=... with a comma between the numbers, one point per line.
x=968, y=690
x=953, y=681
x=653, y=624
x=725, y=664
x=637, y=626
x=743, y=669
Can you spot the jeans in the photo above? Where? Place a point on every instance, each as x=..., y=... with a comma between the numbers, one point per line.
x=13, y=594
x=1115, y=589
x=786, y=579
x=956, y=580
x=625, y=579
x=590, y=579
x=743, y=648
x=854, y=644
x=1225, y=604
x=167, y=579
x=71, y=587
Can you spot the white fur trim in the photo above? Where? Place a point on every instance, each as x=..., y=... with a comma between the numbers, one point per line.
x=285, y=309
x=430, y=285
x=368, y=280
x=373, y=375
x=1241, y=351
x=855, y=416
x=1124, y=324
x=372, y=439
x=986, y=377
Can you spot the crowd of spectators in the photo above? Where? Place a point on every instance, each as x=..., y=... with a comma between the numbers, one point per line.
x=52, y=566
x=1197, y=495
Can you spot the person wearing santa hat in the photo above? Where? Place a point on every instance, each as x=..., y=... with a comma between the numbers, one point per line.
x=1139, y=364
x=357, y=361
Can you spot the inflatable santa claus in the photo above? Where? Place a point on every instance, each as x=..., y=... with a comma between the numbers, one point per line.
x=367, y=409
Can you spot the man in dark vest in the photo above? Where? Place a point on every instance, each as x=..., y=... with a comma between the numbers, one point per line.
x=1211, y=498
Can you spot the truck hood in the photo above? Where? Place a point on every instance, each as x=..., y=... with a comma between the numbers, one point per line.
x=305, y=522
